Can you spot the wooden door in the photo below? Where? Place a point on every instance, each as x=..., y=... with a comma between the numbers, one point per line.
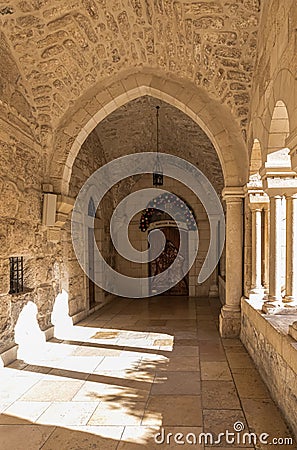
x=167, y=257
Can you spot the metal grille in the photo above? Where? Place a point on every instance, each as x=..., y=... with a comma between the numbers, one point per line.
x=16, y=275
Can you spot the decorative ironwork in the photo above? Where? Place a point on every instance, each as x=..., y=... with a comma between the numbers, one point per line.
x=16, y=275
x=153, y=214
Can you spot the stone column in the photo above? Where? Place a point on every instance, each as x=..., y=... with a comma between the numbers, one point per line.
x=278, y=180
x=256, y=287
x=266, y=251
x=275, y=249
x=230, y=313
x=291, y=249
x=247, y=256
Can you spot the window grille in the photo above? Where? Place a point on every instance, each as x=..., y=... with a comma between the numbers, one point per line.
x=16, y=275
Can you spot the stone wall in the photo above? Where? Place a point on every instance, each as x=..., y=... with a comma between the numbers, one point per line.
x=48, y=267
x=275, y=355
x=89, y=159
x=276, y=65
x=21, y=231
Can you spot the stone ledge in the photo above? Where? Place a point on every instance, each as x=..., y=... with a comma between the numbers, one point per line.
x=274, y=353
x=275, y=328
x=279, y=309
x=293, y=330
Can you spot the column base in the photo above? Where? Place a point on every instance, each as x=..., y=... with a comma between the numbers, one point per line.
x=213, y=291
x=289, y=299
x=279, y=308
x=230, y=323
x=256, y=293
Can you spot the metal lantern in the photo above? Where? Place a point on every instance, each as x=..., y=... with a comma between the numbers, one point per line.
x=158, y=171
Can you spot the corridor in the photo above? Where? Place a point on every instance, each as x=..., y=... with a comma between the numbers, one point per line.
x=130, y=370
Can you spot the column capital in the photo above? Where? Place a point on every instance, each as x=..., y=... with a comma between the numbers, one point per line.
x=278, y=180
x=258, y=199
x=254, y=207
x=293, y=196
x=233, y=193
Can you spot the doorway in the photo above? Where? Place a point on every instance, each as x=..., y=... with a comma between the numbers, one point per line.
x=167, y=257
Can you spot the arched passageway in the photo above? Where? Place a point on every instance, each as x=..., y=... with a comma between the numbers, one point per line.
x=79, y=81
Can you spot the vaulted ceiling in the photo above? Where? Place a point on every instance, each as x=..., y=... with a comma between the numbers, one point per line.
x=59, y=49
x=132, y=128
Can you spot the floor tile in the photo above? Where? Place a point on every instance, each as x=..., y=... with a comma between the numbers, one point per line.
x=264, y=417
x=176, y=383
x=249, y=384
x=24, y=410
x=68, y=413
x=154, y=438
x=116, y=413
x=183, y=410
x=220, y=421
x=211, y=370
x=52, y=391
x=20, y=437
x=70, y=439
x=240, y=361
x=219, y=395
x=132, y=369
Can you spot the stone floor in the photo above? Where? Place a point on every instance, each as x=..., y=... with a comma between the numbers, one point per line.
x=135, y=368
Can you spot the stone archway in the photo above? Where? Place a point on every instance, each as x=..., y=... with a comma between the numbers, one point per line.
x=279, y=93
x=214, y=118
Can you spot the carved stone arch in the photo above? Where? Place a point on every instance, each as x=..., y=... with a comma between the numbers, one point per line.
x=214, y=118
x=278, y=132
x=282, y=89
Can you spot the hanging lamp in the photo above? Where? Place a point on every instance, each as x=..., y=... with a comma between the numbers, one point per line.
x=158, y=170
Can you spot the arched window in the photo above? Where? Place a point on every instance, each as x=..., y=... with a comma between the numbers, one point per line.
x=91, y=208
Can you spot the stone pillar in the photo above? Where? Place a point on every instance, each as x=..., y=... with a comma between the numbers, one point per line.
x=247, y=256
x=266, y=251
x=275, y=249
x=278, y=180
x=291, y=249
x=230, y=313
x=256, y=287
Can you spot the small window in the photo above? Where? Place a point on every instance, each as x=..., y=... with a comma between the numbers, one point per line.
x=16, y=275
x=91, y=208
